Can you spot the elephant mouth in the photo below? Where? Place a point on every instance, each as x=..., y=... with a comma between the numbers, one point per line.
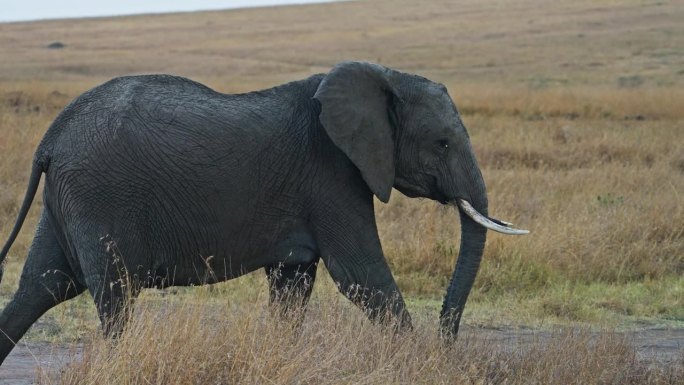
x=441, y=198
x=488, y=222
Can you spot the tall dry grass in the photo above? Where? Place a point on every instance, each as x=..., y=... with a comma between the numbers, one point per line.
x=195, y=341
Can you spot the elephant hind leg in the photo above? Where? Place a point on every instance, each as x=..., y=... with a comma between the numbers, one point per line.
x=114, y=301
x=46, y=280
x=112, y=287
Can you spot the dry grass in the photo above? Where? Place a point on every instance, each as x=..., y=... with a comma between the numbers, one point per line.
x=197, y=341
x=575, y=114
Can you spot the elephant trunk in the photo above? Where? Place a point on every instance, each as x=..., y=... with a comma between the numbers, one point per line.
x=473, y=237
x=472, y=208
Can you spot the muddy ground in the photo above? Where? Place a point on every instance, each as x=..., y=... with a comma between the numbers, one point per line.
x=657, y=346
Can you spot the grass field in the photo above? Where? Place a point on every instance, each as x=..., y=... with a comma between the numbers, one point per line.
x=576, y=113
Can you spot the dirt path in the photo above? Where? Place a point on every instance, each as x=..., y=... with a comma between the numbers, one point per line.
x=662, y=346
x=658, y=346
x=28, y=360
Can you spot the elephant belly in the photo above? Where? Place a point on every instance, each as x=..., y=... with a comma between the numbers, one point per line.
x=164, y=245
x=288, y=242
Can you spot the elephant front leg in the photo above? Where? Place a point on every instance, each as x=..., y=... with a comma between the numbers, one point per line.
x=290, y=287
x=371, y=287
x=351, y=251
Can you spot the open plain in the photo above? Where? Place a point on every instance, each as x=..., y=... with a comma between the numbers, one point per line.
x=576, y=113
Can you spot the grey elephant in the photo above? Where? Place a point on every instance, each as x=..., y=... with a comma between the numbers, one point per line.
x=156, y=181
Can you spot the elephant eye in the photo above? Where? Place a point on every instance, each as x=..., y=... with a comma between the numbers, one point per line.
x=443, y=143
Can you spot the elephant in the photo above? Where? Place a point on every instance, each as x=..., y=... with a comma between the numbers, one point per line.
x=158, y=181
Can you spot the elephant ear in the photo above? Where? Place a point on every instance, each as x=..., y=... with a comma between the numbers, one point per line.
x=356, y=100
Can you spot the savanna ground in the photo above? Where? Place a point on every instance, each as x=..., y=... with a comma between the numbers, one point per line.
x=576, y=113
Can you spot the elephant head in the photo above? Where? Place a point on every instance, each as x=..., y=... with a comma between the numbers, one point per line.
x=404, y=131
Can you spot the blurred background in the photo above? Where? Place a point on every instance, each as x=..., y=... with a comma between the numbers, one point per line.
x=14, y=10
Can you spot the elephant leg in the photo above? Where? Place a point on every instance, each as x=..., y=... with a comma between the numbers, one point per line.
x=371, y=286
x=46, y=280
x=353, y=255
x=112, y=288
x=290, y=286
x=113, y=300
x=113, y=304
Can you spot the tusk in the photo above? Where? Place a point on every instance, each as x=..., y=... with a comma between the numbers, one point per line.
x=499, y=221
x=501, y=226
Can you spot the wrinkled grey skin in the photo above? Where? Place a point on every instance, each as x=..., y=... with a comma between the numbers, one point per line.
x=154, y=181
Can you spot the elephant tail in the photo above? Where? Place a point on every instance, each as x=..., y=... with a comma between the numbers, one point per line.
x=34, y=181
